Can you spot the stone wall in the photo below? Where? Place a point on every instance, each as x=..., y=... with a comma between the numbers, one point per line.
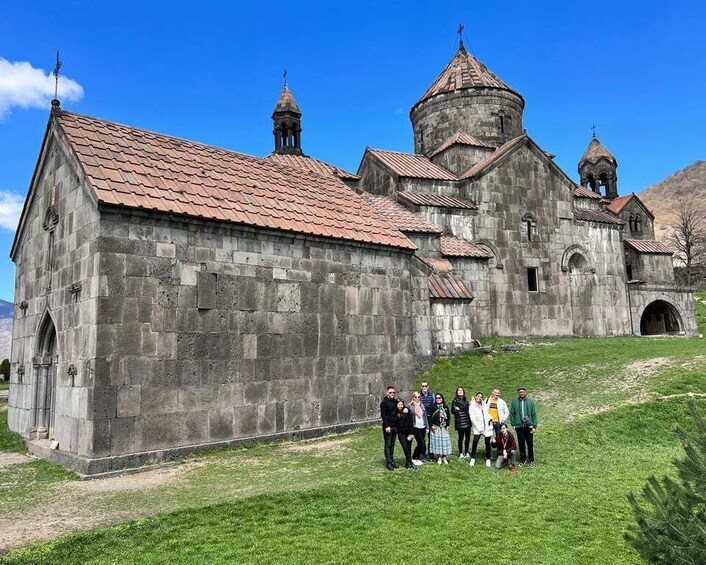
x=375, y=178
x=528, y=184
x=451, y=326
x=59, y=290
x=207, y=334
x=650, y=267
x=474, y=111
x=642, y=295
x=459, y=158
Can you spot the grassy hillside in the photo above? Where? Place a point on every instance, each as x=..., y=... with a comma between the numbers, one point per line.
x=607, y=409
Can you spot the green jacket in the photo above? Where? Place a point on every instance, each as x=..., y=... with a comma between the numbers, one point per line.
x=516, y=412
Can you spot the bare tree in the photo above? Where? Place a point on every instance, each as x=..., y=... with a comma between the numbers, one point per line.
x=689, y=235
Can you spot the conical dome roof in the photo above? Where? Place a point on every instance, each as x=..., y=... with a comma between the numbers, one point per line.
x=286, y=102
x=596, y=151
x=464, y=71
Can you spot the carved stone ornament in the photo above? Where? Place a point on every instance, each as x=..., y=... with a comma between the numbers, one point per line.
x=51, y=218
x=23, y=305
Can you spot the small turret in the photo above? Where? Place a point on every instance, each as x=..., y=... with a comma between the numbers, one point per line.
x=598, y=168
x=287, y=123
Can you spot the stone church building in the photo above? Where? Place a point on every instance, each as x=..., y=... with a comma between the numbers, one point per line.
x=172, y=295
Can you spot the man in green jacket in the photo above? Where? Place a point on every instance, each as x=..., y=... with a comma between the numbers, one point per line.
x=523, y=417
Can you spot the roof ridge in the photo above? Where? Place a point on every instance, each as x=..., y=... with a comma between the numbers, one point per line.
x=494, y=156
x=158, y=134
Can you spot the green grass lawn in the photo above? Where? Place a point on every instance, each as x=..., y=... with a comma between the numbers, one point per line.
x=605, y=425
x=4, y=385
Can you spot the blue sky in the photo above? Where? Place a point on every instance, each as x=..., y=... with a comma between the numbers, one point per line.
x=211, y=72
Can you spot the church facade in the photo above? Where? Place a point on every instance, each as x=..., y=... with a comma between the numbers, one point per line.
x=172, y=295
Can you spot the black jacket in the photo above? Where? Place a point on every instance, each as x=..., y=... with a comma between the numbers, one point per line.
x=436, y=419
x=462, y=418
x=388, y=407
x=403, y=423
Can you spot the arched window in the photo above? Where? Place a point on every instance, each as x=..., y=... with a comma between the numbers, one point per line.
x=44, y=386
x=529, y=225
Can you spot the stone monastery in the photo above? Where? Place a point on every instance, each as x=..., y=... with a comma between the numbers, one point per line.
x=172, y=295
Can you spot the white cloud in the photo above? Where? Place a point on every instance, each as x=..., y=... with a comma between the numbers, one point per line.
x=23, y=86
x=10, y=209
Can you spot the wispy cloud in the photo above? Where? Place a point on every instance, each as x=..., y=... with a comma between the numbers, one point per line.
x=23, y=86
x=10, y=209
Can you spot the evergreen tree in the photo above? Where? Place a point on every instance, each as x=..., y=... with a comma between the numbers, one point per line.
x=671, y=514
x=5, y=370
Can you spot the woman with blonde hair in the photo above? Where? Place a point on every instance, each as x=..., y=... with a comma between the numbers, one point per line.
x=420, y=425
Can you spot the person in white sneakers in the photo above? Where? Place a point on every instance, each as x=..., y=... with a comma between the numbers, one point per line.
x=498, y=410
x=482, y=425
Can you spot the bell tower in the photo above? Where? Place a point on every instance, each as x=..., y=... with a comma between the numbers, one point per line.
x=598, y=169
x=287, y=118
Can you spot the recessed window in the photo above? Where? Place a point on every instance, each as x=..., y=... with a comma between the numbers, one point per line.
x=628, y=270
x=532, y=285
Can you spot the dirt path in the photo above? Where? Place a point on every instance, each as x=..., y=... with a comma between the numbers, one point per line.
x=82, y=505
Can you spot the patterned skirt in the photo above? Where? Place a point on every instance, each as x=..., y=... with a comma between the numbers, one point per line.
x=440, y=442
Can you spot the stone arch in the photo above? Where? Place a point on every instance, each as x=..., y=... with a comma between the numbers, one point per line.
x=661, y=317
x=44, y=382
x=495, y=262
x=575, y=258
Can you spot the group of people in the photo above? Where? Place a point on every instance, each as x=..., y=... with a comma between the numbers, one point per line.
x=425, y=421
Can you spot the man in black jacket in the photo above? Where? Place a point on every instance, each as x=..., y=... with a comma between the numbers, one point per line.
x=387, y=412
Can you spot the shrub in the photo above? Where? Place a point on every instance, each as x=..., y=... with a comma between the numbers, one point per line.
x=671, y=514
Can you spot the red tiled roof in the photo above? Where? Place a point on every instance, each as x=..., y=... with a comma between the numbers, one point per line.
x=311, y=164
x=464, y=71
x=423, y=199
x=448, y=286
x=134, y=168
x=649, y=246
x=286, y=102
x=461, y=138
x=411, y=165
x=456, y=247
x=505, y=148
x=617, y=204
x=583, y=192
x=438, y=264
x=595, y=151
x=596, y=216
x=399, y=216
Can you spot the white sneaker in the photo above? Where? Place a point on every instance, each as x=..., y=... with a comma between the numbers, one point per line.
x=487, y=463
x=446, y=461
x=439, y=461
x=461, y=456
x=418, y=462
x=472, y=463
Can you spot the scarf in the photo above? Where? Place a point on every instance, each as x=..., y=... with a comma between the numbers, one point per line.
x=417, y=409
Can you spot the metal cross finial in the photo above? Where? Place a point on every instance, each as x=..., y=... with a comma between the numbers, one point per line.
x=460, y=36
x=285, y=77
x=55, y=72
x=593, y=127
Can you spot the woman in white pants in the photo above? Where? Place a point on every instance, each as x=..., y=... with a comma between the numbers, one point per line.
x=481, y=425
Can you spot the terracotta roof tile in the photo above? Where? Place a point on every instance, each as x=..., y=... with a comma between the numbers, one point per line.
x=464, y=71
x=183, y=177
x=505, y=148
x=438, y=264
x=595, y=151
x=461, y=138
x=456, y=247
x=583, y=192
x=448, y=286
x=412, y=165
x=597, y=216
x=649, y=246
x=399, y=216
x=311, y=164
x=423, y=199
x=617, y=204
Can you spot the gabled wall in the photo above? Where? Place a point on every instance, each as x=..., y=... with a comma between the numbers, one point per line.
x=47, y=291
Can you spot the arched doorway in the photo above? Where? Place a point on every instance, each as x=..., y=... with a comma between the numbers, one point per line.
x=582, y=286
x=44, y=380
x=660, y=317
